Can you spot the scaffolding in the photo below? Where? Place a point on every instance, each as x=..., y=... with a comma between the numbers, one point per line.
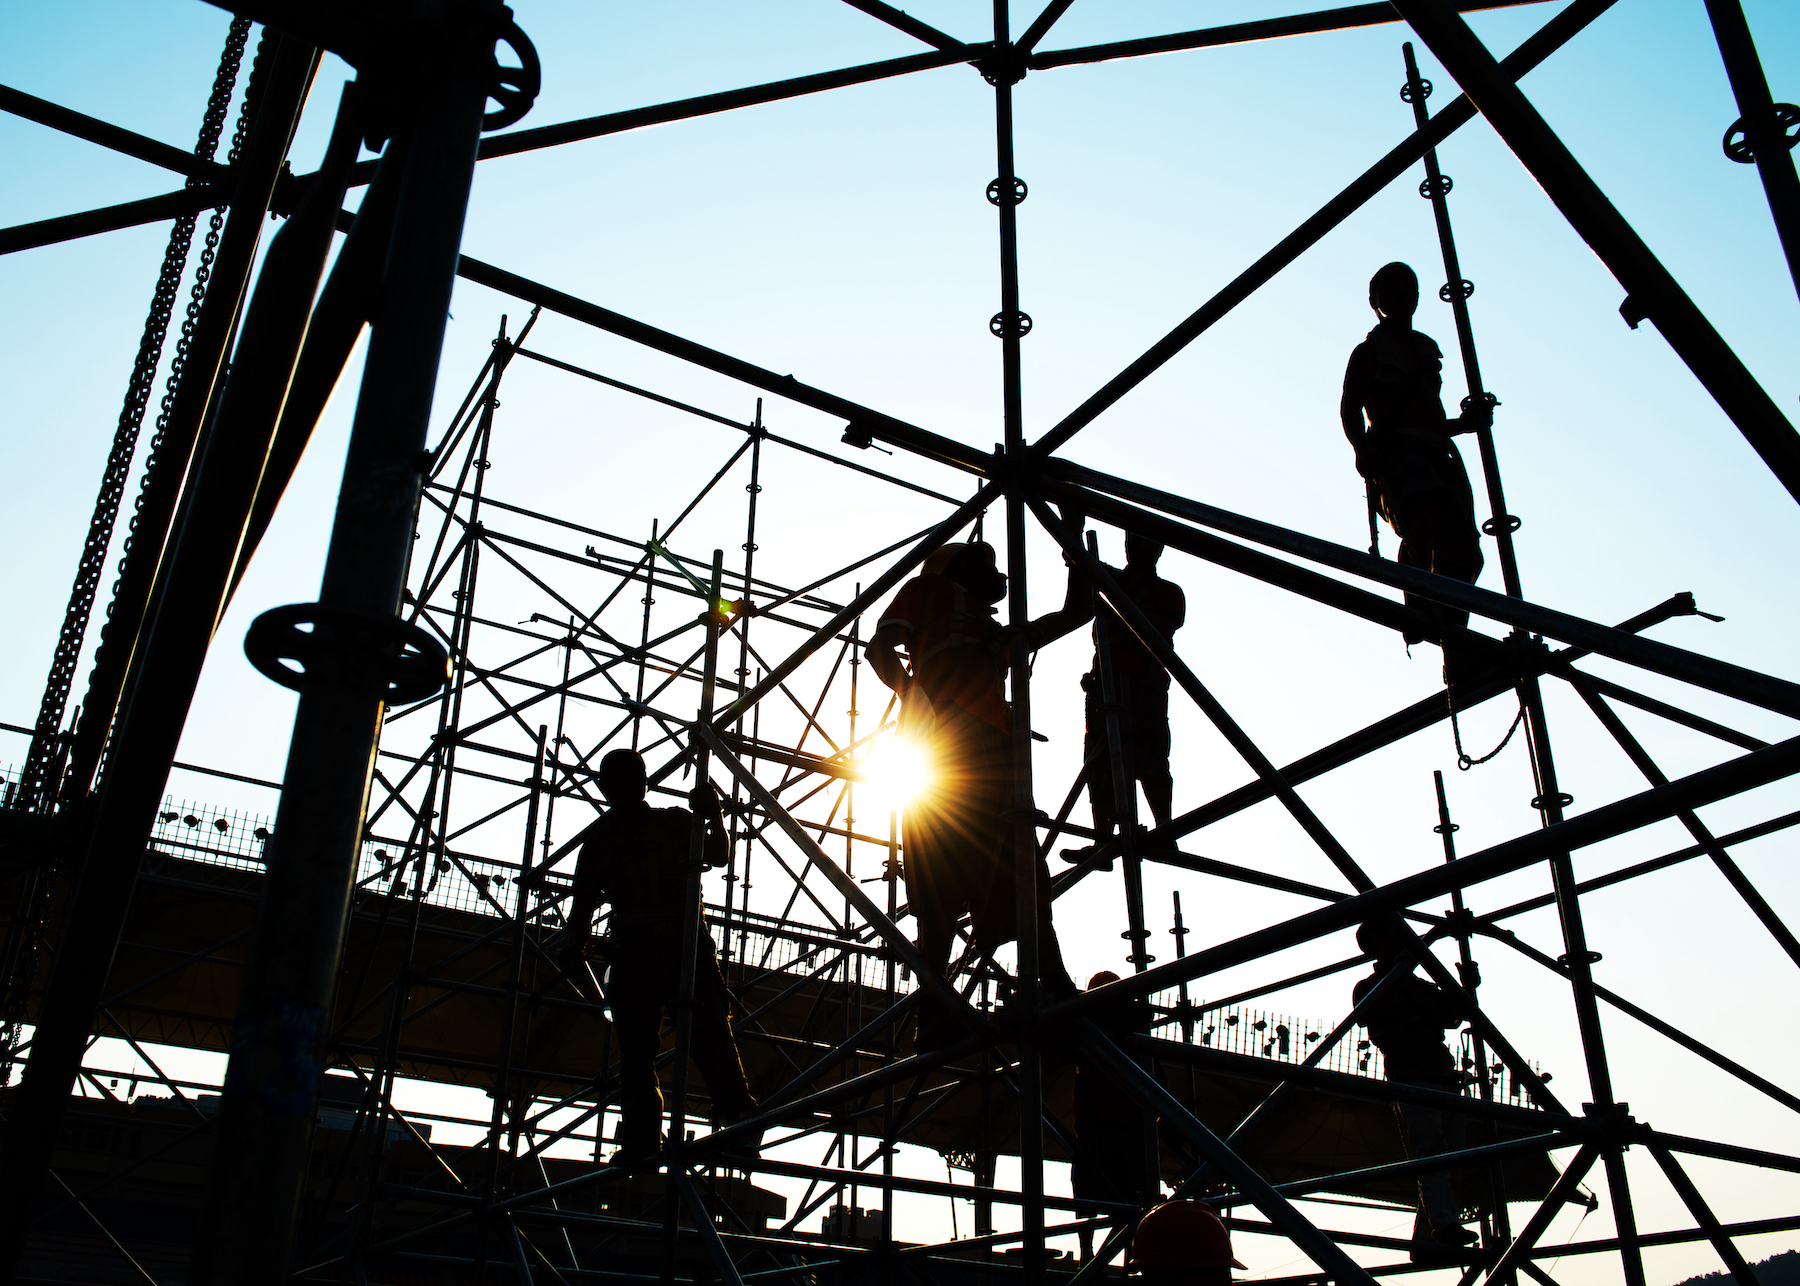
x=400, y=918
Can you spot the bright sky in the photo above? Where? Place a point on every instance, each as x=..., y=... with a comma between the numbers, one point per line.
x=844, y=238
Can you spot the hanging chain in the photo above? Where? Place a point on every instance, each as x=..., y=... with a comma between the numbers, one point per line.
x=1464, y=761
x=26, y=933
x=37, y=786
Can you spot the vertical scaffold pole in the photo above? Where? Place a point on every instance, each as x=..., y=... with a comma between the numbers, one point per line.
x=1455, y=292
x=1499, y=1224
x=746, y=610
x=1010, y=324
x=691, y=929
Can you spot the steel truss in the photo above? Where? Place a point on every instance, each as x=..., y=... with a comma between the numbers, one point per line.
x=530, y=704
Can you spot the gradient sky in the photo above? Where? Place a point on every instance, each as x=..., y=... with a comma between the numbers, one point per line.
x=845, y=238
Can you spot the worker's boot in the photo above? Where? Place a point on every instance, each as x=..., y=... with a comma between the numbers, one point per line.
x=637, y=1142
x=749, y=1144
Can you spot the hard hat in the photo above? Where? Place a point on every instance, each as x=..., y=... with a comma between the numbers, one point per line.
x=1102, y=978
x=938, y=561
x=1182, y=1234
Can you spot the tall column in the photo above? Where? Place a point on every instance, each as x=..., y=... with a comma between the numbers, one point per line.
x=357, y=655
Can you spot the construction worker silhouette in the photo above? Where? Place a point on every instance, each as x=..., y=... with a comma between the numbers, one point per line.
x=636, y=858
x=960, y=853
x=1113, y=1135
x=1393, y=414
x=1407, y=1022
x=1182, y=1243
x=1142, y=686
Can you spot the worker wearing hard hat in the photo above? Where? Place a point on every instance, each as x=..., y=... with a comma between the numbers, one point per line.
x=1182, y=1243
x=1407, y=1021
x=959, y=834
x=1405, y=448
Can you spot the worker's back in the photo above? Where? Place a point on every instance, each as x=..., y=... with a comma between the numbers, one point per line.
x=636, y=859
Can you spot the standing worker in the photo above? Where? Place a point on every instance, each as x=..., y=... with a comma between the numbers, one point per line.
x=1407, y=1022
x=1404, y=446
x=636, y=858
x=1182, y=1243
x=1113, y=1136
x=1142, y=686
x=960, y=851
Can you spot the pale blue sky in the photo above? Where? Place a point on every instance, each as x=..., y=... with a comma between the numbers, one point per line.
x=844, y=238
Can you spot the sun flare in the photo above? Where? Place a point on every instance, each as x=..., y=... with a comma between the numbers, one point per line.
x=895, y=772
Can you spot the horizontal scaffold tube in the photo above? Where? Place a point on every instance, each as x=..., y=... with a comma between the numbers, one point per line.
x=1722, y=677
x=1709, y=785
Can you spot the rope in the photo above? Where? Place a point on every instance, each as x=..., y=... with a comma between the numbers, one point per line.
x=1464, y=761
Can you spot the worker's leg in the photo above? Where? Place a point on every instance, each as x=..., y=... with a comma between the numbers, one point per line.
x=713, y=1047
x=1096, y=749
x=1426, y=1132
x=1150, y=743
x=635, y=993
x=1053, y=974
x=936, y=916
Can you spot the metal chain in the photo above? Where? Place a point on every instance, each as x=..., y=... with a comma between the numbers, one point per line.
x=36, y=788
x=26, y=934
x=1465, y=761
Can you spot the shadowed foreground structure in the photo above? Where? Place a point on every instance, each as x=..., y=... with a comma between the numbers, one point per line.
x=470, y=660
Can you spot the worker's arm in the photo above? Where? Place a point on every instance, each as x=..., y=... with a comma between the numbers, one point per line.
x=882, y=657
x=587, y=899
x=1350, y=410
x=1479, y=415
x=705, y=801
x=1078, y=597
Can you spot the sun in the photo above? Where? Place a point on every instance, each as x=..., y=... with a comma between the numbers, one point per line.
x=895, y=772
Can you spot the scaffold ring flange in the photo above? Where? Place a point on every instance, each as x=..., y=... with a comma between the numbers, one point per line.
x=1436, y=187
x=1010, y=325
x=1451, y=291
x=995, y=193
x=1415, y=90
x=1737, y=138
x=402, y=660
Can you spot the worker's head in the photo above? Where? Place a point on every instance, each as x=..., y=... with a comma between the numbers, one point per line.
x=1101, y=979
x=1141, y=551
x=1381, y=939
x=622, y=777
x=1182, y=1243
x=1394, y=292
x=976, y=570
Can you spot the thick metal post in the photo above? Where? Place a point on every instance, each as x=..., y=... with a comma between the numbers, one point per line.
x=1651, y=291
x=675, y=1165
x=1500, y=1225
x=271, y=1083
x=95, y=915
x=1455, y=292
x=1010, y=325
x=1763, y=125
